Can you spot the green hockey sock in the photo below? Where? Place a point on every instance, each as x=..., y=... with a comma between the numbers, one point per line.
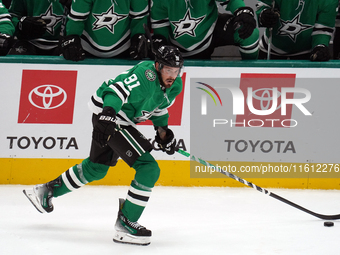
x=78, y=175
x=136, y=201
x=147, y=173
x=70, y=180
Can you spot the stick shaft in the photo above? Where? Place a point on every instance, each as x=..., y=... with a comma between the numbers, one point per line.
x=148, y=36
x=63, y=21
x=270, y=36
x=251, y=185
x=269, y=43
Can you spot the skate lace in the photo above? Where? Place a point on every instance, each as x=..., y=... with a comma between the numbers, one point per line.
x=135, y=225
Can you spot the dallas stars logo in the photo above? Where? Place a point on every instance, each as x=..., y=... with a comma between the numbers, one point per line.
x=187, y=25
x=51, y=19
x=145, y=116
x=292, y=28
x=107, y=19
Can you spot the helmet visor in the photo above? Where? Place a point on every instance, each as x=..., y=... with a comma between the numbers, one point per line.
x=171, y=71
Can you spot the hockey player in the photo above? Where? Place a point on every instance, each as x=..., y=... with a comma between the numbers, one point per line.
x=106, y=28
x=143, y=92
x=300, y=29
x=37, y=24
x=196, y=28
x=6, y=30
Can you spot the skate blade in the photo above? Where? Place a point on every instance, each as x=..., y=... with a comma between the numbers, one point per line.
x=126, y=238
x=32, y=198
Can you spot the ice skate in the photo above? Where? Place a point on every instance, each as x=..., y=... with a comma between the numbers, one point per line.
x=41, y=195
x=130, y=232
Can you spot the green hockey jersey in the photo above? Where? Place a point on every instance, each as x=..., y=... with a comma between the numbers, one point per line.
x=189, y=25
x=6, y=26
x=49, y=10
x=136, y=95
x=303, y=24
x=105, y=26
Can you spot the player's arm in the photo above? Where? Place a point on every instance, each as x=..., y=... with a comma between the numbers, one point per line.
x=114, y=94
x=139, y=13
x=71, y=43
x=164, y=135
x=325, y=23
x=6, y=25
x=267, y=14
x=105, y=127
x=231, y=5
x=17, y=10
x=262, y=5
x=244, y=21
x=80, y=11
x=165, y=139
x=26, y=27
x=6, y=31
x=131, y=87
x=160, y=24
x=323, y=30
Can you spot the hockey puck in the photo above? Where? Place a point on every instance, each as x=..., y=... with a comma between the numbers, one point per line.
x=328, y=224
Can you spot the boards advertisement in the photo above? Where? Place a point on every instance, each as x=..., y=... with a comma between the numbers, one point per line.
x=255, y=117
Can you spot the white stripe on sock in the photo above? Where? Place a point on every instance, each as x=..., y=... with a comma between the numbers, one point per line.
x=136, y=201
x=66, y=182
x=75, y=178
x=140, y=192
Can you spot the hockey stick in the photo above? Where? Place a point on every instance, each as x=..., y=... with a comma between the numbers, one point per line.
x=251, y=185
x=149, y=37
x=269, y=42
x=270, y=36
x=63, y=21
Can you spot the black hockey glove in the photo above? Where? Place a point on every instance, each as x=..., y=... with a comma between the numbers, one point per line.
x=6, y=43
x=71, y=48
x=268, y=18
x=139, y=46
x=244, y=19
x=66, y=3
x=168, y=144
x=31, y=27
x=320, y=53
x=105, y=127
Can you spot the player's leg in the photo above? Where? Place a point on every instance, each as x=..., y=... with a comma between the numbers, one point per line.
x=79, y=175
x=75, y=177
x=134, y=149
x=147, y=174
x=128, y=230
x=90, y=169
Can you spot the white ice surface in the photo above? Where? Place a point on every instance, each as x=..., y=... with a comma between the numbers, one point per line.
x=183, y=221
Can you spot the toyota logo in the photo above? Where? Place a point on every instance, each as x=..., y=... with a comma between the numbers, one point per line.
x=50, y=97
x=265, y=98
